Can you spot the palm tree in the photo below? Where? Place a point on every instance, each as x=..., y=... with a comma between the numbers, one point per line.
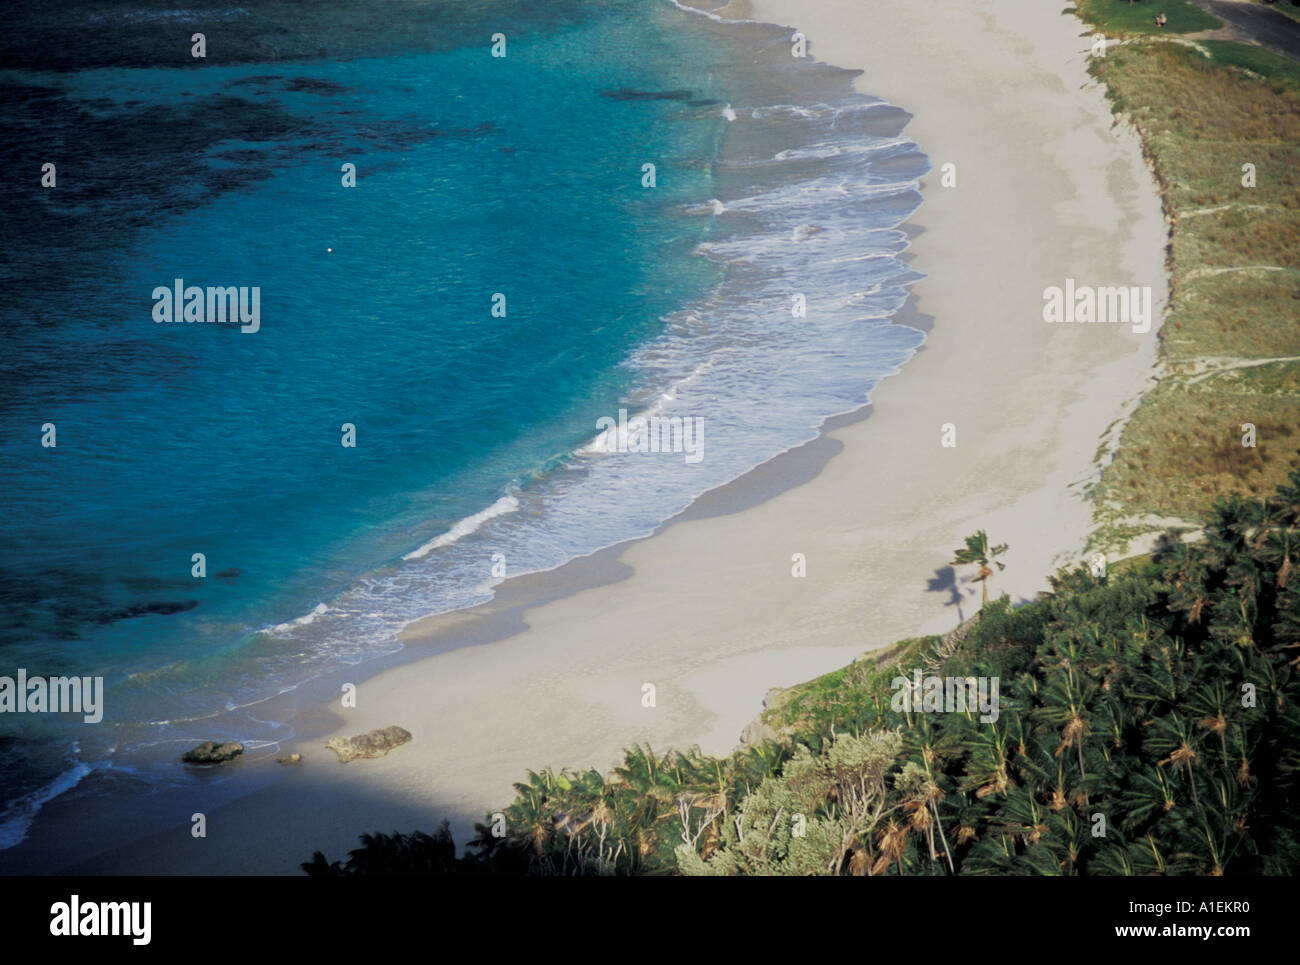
x=977, y=550
x=1173, y=735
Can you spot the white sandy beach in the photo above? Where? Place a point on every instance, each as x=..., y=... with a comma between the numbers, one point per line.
x=707, y=610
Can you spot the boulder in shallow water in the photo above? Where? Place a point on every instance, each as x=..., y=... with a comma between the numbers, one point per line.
x=210, y=752
x=377, y=743
x=291, y=759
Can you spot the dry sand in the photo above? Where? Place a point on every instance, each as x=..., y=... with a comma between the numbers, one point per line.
x=707, y=610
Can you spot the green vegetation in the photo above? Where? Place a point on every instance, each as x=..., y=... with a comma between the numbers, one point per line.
x=1235, y=262
x=1148, y=722
x=1257, y=60
x=1122, y=17
x=1184, y=445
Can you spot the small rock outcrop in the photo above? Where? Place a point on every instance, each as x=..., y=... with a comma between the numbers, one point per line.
x=377, y=743
x=291, y=759
x=757, y=730
x=210, y=752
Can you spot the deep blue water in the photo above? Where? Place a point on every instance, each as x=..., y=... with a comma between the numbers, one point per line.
x=475, y=176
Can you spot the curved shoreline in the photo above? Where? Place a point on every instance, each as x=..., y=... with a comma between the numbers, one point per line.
x=706, y=608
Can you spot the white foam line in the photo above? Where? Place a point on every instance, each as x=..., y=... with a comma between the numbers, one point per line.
x=470, y=524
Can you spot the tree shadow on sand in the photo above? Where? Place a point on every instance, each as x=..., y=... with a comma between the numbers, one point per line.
x=945, y=581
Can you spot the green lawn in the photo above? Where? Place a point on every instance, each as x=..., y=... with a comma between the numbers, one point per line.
x=1273, y=67
x=1122, y=17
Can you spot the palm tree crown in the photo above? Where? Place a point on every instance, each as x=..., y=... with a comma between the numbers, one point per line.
x=977, y=550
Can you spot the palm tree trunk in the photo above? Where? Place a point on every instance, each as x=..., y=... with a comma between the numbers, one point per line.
x=943, y=837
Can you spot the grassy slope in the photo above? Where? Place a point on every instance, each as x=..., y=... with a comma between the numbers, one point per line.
x=1235, y=261
x=1268, y=65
